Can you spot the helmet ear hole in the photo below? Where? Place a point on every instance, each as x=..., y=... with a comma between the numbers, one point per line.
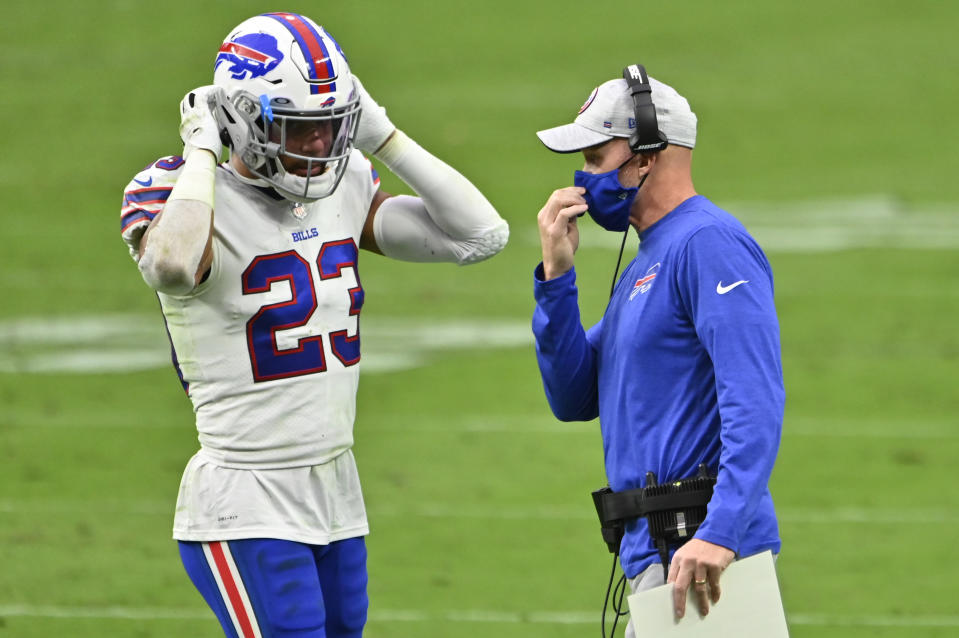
x=227, y=122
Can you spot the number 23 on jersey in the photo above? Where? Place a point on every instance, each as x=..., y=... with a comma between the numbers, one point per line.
x=308, y=357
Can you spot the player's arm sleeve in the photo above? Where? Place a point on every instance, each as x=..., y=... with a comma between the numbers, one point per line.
x=740, y=331
x=565, y=352
x=175, y=249
x=144, y=198
x=449, y=221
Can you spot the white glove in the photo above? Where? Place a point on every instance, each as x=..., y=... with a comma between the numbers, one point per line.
x=374, y=128
x=198, y=127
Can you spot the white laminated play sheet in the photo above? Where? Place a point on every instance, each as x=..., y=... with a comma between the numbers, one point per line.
x=750, y=605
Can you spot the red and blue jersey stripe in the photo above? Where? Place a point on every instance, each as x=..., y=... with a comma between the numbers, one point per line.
x=137, y=205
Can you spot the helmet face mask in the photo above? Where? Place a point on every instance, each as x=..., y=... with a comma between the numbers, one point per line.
x=291, y=109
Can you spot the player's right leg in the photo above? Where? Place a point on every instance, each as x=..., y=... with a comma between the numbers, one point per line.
x=259, y=588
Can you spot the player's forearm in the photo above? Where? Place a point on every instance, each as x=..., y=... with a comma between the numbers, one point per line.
x=175, y=249
x=453, y=203
x=403, y=229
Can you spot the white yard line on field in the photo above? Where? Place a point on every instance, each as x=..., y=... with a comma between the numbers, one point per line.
x=127, y=343
x=824, y=225
x=840, y=514
x=456, y=616
x=542, y=423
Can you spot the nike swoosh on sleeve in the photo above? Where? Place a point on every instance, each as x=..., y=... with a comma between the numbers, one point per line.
x=722, y=290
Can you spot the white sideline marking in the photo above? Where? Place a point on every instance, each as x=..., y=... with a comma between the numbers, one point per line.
x=788, y=515
x=125, y=613
x=459, y=616
x=127, y=343
x=539, y=423
x=542, y=423
x=842, y=620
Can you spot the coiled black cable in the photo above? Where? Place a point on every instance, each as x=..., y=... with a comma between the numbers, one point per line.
x=618, y=593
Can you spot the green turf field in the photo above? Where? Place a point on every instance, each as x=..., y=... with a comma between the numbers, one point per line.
x=829, y=126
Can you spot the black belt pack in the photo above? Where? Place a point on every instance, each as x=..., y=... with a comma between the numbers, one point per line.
x=673, y=511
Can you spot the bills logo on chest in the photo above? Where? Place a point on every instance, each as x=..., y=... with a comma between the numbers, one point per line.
x=644, y=283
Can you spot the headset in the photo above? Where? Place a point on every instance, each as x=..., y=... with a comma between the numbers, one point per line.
x=648, y=138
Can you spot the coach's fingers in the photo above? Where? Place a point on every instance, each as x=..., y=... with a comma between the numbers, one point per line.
x=560, y=226
x=673, y=571
x=570, y=213
x=714, y=589
x=559, y=200
x=683, y=580
x=701, y=590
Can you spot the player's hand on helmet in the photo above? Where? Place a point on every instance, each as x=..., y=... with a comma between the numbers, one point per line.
x=198, y=127
x=374, y=128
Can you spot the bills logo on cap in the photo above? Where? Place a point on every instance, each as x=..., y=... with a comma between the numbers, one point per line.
x=644, y=283
x=252, y=55
x=589, y=100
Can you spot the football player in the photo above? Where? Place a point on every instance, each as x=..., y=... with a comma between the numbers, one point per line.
x=255, y=263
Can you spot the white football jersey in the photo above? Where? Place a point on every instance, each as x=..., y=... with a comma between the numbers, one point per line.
x=268, y=346
x=268, y=349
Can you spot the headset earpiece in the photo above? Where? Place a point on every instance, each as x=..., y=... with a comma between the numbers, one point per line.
x=648, y=138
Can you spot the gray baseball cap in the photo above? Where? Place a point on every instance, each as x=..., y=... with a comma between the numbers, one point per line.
x=608, y=113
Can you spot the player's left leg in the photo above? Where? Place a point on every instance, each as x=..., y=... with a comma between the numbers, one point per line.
x=343, y=578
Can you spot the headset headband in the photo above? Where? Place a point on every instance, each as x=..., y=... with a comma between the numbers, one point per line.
x=648, y=137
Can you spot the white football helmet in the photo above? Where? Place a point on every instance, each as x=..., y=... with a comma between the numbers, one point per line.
x=286, y=80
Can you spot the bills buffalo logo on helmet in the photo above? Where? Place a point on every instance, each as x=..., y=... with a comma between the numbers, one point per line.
x=255, y=54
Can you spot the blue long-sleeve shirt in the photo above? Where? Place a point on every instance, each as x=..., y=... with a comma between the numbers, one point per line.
x=684, y=368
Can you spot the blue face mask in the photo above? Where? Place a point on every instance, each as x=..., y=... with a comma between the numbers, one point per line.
x=608, y=200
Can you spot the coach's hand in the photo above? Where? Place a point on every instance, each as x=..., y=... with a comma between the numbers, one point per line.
x=374, y=127
x=558, y=232
x=698, y=564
